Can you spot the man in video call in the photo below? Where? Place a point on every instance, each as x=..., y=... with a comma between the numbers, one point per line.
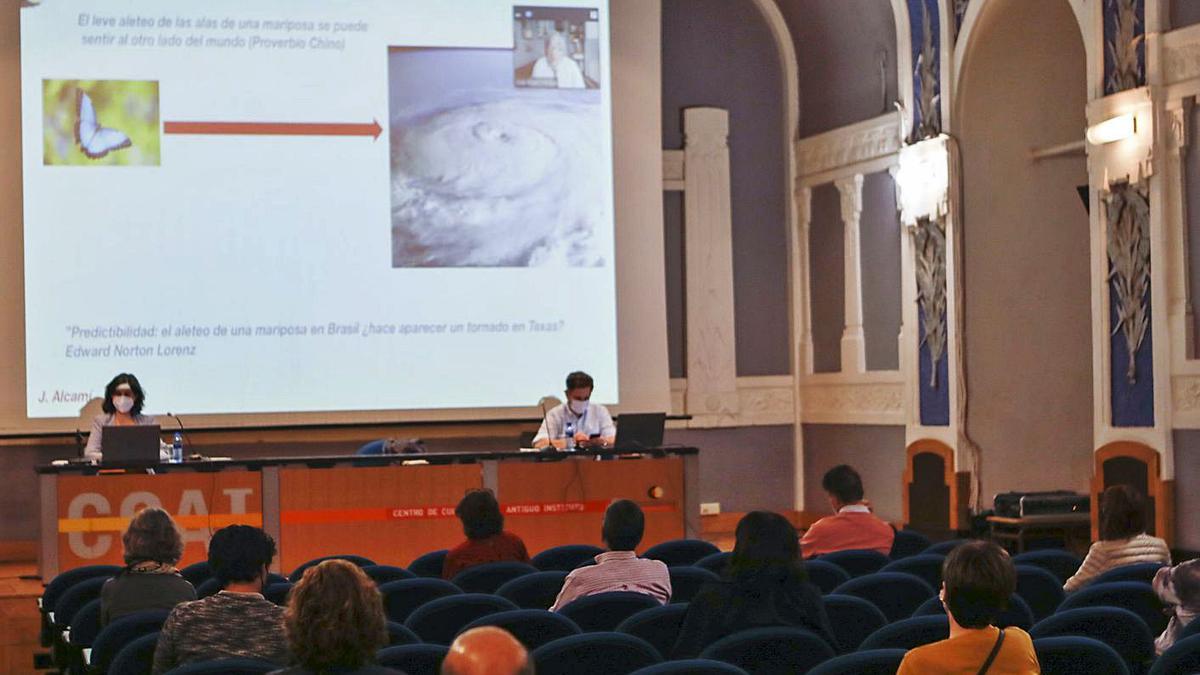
x=592, y=424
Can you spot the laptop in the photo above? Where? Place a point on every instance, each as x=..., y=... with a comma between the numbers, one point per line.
x=638, y=432
x=131, y=444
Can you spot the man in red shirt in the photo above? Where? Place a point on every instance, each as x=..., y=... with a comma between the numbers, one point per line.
x=852, y=526
x=487, y=540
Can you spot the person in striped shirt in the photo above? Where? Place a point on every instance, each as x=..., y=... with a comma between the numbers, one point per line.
x=618, y=569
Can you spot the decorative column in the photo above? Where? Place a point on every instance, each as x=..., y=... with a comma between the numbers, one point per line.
x=854, y=352
x=711, y=348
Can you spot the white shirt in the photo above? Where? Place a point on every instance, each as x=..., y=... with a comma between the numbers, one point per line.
x=594, y=420
x=566, y=73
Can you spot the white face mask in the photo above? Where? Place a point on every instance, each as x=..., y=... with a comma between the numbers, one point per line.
x=578, y=407
x=123, y=403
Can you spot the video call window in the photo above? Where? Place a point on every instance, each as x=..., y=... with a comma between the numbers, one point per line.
x=556, y=47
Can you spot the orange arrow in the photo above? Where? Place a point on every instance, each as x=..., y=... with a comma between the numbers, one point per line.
x=274, y=128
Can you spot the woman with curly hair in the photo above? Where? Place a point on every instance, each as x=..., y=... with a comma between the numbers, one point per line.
x=153, y=547
x=334, y=622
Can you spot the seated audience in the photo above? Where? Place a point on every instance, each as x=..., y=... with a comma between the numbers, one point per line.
x=618, y=569
x=1123, y=538
x=1179, y=588
x=335, y=622
x=487, y=650
x=852, y=526
x=978, y=578
x=764, y=585
x=236, y=622
x=487, y=540
x=149, y=580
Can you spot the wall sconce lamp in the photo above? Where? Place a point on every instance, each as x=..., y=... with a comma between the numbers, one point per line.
x=923, y=180
x=1112, y=129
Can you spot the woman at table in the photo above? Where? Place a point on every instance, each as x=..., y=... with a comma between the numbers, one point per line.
x=123, y=401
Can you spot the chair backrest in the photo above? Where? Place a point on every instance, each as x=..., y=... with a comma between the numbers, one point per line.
x=399, y=634
x=534, y=591
x=944, y=547
x=356, y=559
x=196, y=573
x=869, y=662
x=1135, y=596
x=370, y=448
x=418, y=659
x=896, y=594
x=680, y=551
x=715, y=563
x=774, y=650
x=209, y=586
x=1118, y=628
x=852, y=619
x=489, y=577
x=1016, y=614
x=927, y=566
x=601, y=653
x=691, y=667
x=429, y=564
x=565, y=558
x=909, y=633
x=1075, y=654
x=1040, y=589
x=234, y=666
x=438, y=621
x=908, y=542
x=532, y=627
x=85, y=625
x=278, y=593
x=687, y=580
x=1182, y=657
x=59, y=584
x=658, y=625
x=1189, y=630
x=1143, y=572
x=381, y=574
x=74, y=598
x=123, y=631
x=857, y=562
x=400, y=598
x=825, y=575
x=605, y=611
x=1062, y=564
x=137, y=657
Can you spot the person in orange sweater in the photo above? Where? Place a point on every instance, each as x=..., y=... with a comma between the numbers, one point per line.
x=852, y=526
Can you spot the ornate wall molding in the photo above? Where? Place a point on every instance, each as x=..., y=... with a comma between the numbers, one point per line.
x=762, y=401
x=877, y=399
x=1181, y=54
x=849, y=145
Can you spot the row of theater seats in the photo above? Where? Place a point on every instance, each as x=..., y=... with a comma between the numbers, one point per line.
x=878, y=608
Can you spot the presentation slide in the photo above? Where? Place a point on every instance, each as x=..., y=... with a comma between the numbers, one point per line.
x=299, y=205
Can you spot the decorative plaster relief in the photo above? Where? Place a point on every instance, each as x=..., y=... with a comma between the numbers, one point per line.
x=762, y=401
x=853, y=403
x=1127, y=208
x=849, y=145
x=1182, y=62
x=1185, y=393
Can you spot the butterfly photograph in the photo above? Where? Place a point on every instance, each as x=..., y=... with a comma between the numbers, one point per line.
x=100, y=123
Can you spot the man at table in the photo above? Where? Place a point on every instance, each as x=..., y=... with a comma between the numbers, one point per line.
x=592, y=425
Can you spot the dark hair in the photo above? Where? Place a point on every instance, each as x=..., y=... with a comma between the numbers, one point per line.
x=979, y=578
x=152, y=535
x=1186, y=579
x=239, y=553
x=139, y=394
x=624, y=524
x=480, y=514
x=1122, y=513
x=334, y=618
x=767, y=547
x=844, y=483
x=579, y=380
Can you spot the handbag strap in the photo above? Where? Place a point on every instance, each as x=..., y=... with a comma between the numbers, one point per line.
x=995, y=651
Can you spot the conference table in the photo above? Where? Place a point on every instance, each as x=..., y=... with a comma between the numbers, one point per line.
x=389, y=508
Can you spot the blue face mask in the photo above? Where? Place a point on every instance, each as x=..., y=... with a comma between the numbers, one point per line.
x=578, y=407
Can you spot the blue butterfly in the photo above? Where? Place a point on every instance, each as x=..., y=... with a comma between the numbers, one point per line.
x=94, y=140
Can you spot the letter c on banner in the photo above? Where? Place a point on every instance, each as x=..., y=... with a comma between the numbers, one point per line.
x=135, y=501
x=75, y=540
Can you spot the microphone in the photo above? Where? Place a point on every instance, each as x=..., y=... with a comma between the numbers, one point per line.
x=182, y=430
x=545, y=413
x=79, y=446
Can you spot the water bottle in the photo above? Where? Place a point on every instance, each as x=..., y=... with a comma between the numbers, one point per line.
x=177, y=448
x=569, y=434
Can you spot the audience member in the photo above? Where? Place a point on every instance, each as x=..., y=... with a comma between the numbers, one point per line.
x=619, y=568
x=487, y=540
x=852, y=526
x=764, y=585
x=1123, y=538
x=335, y=622
x=487, y=651
x=149, y=580
x=978, y=578
x=1179, y=588
x=236, y=622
